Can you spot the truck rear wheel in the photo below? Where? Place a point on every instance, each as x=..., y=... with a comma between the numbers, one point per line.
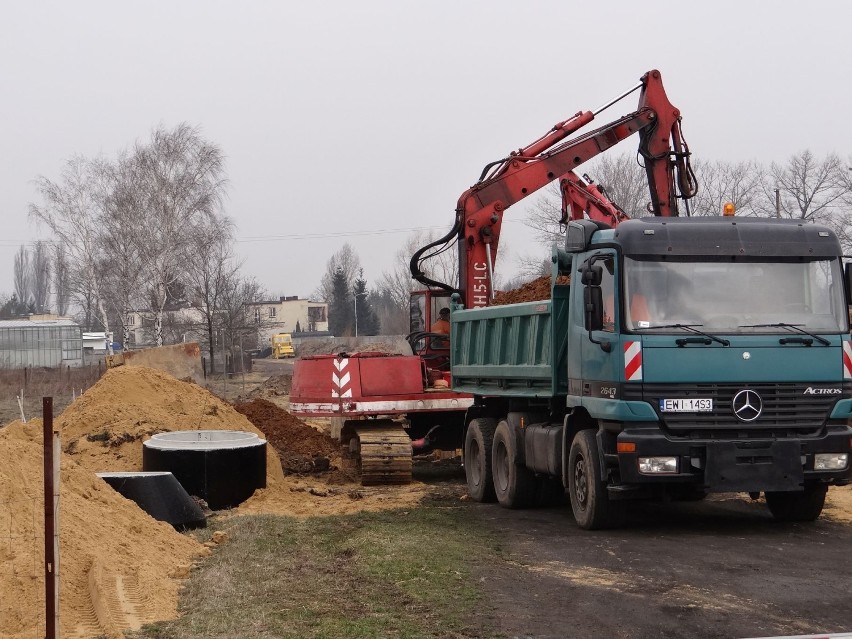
x=797, y=506
x=477, y=459
x=514, y=485
x=589, y=499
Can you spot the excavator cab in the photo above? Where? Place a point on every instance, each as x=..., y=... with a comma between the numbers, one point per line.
x=429, y=337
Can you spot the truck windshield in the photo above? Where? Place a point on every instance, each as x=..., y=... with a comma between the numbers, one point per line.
x=728, y=296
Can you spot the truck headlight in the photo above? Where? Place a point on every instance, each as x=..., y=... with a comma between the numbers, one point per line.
x=830, y=461
x=657, y=465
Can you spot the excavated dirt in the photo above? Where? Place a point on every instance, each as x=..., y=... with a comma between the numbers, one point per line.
x=302, y=449
x=537, y=290
x=120, y=568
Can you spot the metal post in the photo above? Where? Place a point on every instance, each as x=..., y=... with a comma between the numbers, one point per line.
x=51, y=521
x=356, y=314
x=777, y=203
x=243, y=363
x=224, y=368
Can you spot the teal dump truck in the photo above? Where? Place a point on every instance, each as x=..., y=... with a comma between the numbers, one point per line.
x=675, y=357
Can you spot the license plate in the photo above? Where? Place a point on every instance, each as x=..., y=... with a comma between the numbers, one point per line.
x=688, y=405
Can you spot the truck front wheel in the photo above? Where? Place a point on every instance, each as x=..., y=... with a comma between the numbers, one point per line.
x=803, y=505
x=477, y=459
x=515, y=485
x=589, y=500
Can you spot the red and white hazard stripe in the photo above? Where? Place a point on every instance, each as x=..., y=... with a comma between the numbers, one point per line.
x=340, y=378
x=633, y=361
x=847, y=360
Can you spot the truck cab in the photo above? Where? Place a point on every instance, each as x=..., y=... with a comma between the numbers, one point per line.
x=686, y=356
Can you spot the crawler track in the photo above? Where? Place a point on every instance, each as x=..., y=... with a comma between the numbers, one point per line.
x=383, y=452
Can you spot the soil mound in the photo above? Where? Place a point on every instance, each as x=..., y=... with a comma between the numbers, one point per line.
x=104, y=429
x=302, y=449
x=538, y=289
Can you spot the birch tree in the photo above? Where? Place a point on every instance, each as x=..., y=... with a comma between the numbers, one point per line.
x=22, y=275
x=73, y=209
x=212, y=274
x=61, y=279
x=40, y=277
x=182, y=180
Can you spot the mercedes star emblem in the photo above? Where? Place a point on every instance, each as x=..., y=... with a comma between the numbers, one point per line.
x=747, y=405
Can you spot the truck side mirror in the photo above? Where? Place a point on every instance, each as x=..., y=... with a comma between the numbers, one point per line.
x=847, y=282
x=591, y=274
x=593, y=304
x=593, y=307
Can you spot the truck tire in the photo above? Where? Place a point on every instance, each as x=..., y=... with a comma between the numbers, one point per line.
x=514, y=485
x=797, y=506
x=590, y=502
x=477, y=459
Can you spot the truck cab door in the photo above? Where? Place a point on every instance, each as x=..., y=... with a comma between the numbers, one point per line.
x=593, y=358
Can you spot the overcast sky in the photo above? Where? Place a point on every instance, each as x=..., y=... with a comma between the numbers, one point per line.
x=360, y=121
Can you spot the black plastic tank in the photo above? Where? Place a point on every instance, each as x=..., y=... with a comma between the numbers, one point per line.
x=223, y=467
x=160, y=495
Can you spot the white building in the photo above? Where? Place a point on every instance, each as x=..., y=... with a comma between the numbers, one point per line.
x=289, y=314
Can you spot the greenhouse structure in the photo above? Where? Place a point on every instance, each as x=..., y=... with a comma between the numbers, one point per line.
x=46, y=343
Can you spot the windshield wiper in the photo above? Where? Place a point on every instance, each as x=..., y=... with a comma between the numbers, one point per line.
x=792, y=327
x=691, y=328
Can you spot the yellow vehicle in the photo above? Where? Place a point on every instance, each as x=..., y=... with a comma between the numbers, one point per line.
x=282, y=346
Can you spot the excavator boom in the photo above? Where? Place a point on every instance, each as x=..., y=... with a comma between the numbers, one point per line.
x=480, y=209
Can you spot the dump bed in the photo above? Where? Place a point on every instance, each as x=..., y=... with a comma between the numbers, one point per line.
x=504, y=350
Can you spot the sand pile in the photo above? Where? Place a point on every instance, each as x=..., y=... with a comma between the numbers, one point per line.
x=119, y=568
x=104, y=429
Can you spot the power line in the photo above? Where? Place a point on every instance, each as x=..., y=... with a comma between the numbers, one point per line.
x=313, y=236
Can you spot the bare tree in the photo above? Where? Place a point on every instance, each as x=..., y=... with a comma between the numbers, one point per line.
x=395, y=285
x=182, y=178
x=739, y=183
x=61, y=279
x=235, y=314
x=347, y=259
x=23, y=276
x=620, y=177
x=73, y=209
x=122, y=226
x=843, y=217
x=810, y=189
x=624, y=181
x=40, y=276
x=212, y=273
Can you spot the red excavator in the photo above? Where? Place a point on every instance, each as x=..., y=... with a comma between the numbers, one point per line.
x=396, y=405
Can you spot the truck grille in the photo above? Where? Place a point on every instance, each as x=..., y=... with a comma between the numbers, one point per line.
x=786, y=407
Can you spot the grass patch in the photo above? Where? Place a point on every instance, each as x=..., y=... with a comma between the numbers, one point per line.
x=393, y=574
